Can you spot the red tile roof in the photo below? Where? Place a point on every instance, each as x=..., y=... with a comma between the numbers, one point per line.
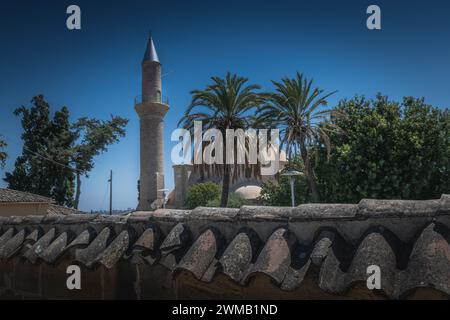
x=9, y=195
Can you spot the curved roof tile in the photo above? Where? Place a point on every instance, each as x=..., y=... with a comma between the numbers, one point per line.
x=336, y=250
x=12, y=245
x=40, y=245
x=55, y=249
x=275, y=257
x=200, y=255
x=237, y=257
x=88, y=255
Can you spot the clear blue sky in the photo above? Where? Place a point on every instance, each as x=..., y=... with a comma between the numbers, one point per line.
x=96, y=71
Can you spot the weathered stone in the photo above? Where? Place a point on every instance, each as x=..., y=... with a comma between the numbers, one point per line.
x=372, y=208
x=89, y=255
x=275, y=258
x=255, y=213
x=55, y=249
x=6, y=236
x=147, y=239
x=200, y=255
x=177, y=237
x=321, y=248
x=82, y=240
x=33, y=253
x=213, y=214
x=319, y=211
x=115, y=250
x=237, y=257
x=34, y=235
x=12, y=245
x=429, y=262
x=295, y=277
x=292, y=252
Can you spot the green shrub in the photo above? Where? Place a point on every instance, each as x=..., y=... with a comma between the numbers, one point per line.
x=234, y=201
x=215, y=203
x=391, y=150
x=201, y=193
x=279, y=194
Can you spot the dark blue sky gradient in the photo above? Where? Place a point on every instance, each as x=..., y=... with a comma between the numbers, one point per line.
x=96, y=71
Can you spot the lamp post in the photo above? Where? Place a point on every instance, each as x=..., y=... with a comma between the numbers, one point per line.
x=292, y=174
x=164, y=192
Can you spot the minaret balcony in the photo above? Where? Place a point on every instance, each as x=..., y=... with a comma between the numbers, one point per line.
x=157, y=98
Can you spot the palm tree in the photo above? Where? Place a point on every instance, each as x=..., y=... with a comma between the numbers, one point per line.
x=3, y=154
x=224, y=104
x=294, y=109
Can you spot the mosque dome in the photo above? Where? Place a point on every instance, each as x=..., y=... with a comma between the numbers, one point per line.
x=248, y=192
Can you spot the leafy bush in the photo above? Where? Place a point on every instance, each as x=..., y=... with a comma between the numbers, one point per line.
x=234, y=201
x=279, y=193
x=201, y=193
x=390, y=150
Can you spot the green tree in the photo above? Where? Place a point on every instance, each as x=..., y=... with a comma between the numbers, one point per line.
x=391, y=150
x=43, y=167
x=201, y=193
x=55, y=152
x=234, y=201
x=3, y=154
x=294, y=109
x=224, y=104
x=94, y=137
x=278, y=193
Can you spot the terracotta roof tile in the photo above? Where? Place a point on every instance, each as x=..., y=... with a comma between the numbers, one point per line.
x=10, y=195
x=40, y=245
x=237, y=257
x=409, y=241
x=51, y=253
x=12, y=245
x=201, y=254
x=60, y=210
x=88, y=256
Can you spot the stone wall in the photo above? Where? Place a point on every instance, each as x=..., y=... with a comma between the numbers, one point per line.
x=23, y=209
x=314, y=251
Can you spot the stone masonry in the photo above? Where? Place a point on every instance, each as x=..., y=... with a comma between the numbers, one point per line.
x=313, y=251
x=151, y=110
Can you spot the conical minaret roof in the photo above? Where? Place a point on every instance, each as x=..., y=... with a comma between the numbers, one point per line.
x=150, y=52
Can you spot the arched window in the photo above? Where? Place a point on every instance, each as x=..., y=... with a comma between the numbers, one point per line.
x=158, y=95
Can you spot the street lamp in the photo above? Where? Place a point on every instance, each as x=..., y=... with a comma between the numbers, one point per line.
x=292, y=174
x=164, y=194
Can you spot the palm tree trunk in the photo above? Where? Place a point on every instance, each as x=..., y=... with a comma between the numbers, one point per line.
x=309, y=173
x=78, y=191
x=225, y=185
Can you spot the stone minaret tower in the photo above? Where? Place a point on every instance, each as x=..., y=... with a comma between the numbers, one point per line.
x=151, y=110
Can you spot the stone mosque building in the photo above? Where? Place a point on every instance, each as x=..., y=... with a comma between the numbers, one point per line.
x=151, y=109
x=315, y=251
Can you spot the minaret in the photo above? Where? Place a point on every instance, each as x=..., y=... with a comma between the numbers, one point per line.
x=151, y=110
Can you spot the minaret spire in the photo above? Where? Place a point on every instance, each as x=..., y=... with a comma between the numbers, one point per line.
x=150, y=53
